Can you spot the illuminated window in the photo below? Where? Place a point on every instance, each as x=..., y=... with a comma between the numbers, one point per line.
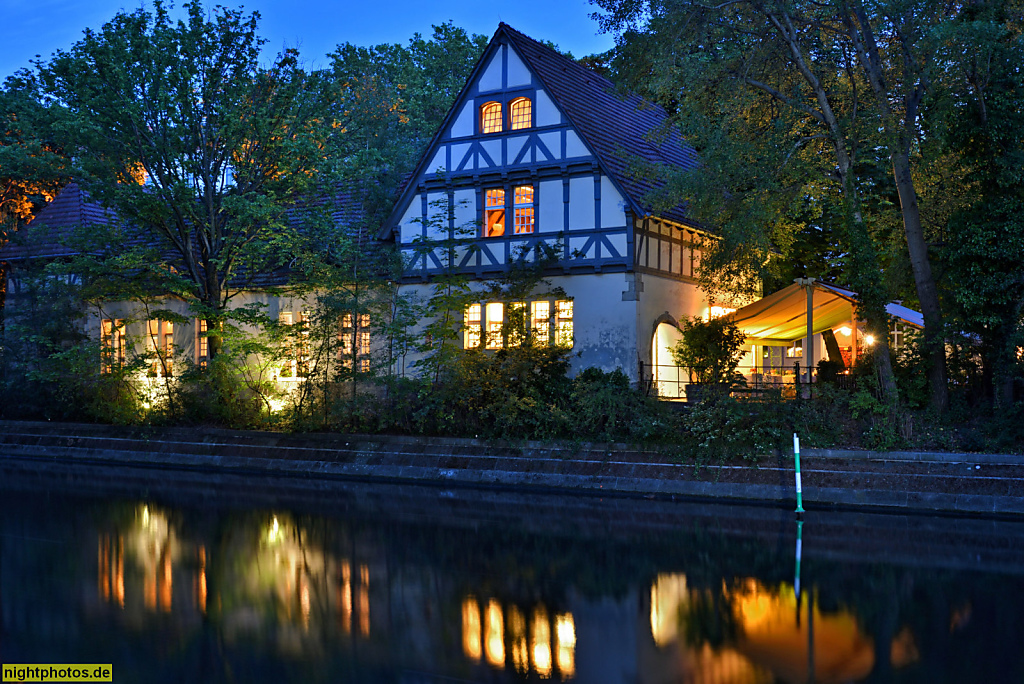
x=471, y=337
x=540, y=321
x=202, y=343
x=296, y=364
x=494, y=224
x=490, y=117
x=520, y=111
x=564, y=330
x=524, y=209
x=160, y=343
x=495, y=317
x=516, y=328
x=354, y=341
x=113, y=344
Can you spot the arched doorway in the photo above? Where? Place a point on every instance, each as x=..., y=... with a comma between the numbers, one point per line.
x=669, y=381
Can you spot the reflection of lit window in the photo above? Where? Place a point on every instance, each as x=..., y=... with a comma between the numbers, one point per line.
x=490, y=117
x=517, y=635
x=201, y=581
x=541, y=642
x=494, y=213
x=668, y=593
x=471, y=628
x=364, y=600
x=494, y=638
x=540, y=321
x=495, y=318
x=346, y=597
x=520, y=111
x=565, y=328
x=565, y=640
x=111, y=569
x=471, y=337
x=523, y=209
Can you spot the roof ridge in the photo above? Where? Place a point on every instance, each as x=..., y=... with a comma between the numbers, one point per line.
x=555, y=53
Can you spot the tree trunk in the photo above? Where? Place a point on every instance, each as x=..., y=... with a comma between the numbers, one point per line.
x=927, y=293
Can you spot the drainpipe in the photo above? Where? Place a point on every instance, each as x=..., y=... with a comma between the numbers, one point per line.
x=808, y=285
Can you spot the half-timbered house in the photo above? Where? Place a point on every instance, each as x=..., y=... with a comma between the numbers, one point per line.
x=539, y=149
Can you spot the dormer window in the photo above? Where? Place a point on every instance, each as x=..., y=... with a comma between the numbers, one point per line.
x=490, y=117
x=494, y=213
x=520, y=113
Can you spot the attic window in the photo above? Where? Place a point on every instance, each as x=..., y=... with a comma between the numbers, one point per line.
x=494, y=213
x=520, y=111
x=490, y=117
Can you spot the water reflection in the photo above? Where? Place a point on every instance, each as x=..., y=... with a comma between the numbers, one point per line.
x=748, y=632
x=494, y=640
x=272, y=594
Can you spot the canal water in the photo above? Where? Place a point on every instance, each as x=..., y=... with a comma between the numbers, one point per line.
x=197, y=577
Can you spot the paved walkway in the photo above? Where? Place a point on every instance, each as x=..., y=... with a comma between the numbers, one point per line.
x=905, y=481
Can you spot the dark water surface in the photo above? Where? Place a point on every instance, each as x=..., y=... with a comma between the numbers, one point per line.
x=191, y=577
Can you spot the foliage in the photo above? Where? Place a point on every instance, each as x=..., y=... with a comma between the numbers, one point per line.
x=711, y=350
x=179, y=128
x=33, y=165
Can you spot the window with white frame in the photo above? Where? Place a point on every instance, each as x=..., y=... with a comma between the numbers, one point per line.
x=564, y=332
x=160, y=345
x=202, y=343
x=296, y=363
x=472, y=324
x=520, y=113
x=112, y=340
x=549, y=322
x=494, y=212
x=495, y=312
x=354, y=341
x=523, y=209
x=490, y=117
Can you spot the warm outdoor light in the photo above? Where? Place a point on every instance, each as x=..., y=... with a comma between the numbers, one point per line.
x=869, y=340
x=845, y=331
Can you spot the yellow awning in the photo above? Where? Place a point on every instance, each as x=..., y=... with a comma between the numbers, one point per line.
x=782, y=317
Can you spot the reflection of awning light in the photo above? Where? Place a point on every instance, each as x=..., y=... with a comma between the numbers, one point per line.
x=541, y=650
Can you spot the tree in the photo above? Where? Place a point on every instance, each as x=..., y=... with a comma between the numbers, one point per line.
x=179, y=128
x=710, y=350
x=771, y=103
x=33, y=166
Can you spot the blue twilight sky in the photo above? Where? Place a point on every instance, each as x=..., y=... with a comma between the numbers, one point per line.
x=35, y=28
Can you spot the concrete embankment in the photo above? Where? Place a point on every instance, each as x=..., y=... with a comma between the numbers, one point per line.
x=906, y=481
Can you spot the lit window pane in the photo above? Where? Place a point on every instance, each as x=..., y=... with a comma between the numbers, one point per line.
x=495, y=318
x=564, y=334
x=495, y=212
x=471, y=337
x=540, y=321
x=490, y=117
x=521, y=113
x=524, y=209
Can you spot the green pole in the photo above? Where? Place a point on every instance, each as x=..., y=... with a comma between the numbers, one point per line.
x=796, y=458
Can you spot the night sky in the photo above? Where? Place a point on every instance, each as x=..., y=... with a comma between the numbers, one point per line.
x=35, y=28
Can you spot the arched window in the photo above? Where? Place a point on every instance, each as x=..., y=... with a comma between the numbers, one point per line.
x=521, y=113
x=490, y=117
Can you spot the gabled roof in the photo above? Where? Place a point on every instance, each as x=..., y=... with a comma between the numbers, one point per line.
x=71, y=208
x=53, y=227
x=615, y=128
